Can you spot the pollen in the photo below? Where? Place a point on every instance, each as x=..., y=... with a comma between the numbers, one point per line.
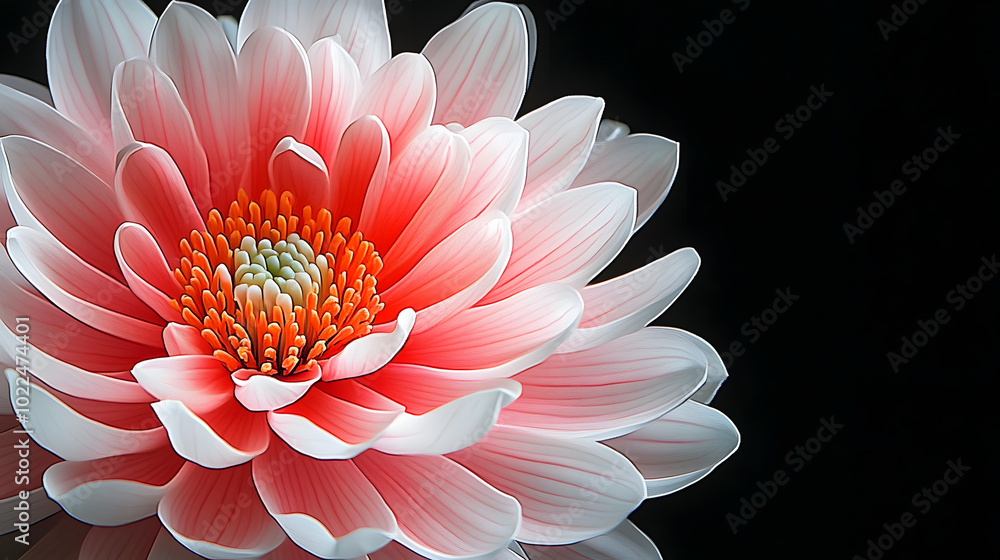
x=275, y=291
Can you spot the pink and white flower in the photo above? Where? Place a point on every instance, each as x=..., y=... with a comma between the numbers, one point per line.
x=290, y=294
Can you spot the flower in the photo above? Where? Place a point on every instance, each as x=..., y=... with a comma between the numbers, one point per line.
x=277, y=291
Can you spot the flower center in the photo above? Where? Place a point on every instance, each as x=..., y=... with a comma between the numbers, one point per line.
x=276, y=291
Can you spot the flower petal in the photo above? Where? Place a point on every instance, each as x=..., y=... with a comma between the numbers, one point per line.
x=146, y=270
x=200, y=382
x=67, y=378
x=418, y=194
x=225, y=436
x=275, y=83
x=568, y=238
x=261, y=392
x=87, y=40
x=151, y=192
x=217, y=514
x=369, y=353
x=27, y=87
x=500, y=339
x=623, y=305
x=75, y=436
x=114, y=490
x=562, y=136
x=146, y=107
x=335, y=420
x=361, y=24
x=481, y=64
x=362, y=164
x=335, y=87
x=644, y=162
x=499, y=167
x=609, y=390
x=23, y=115
x=717, y=373
x=474, y=257
x=299, y=169
x=184, y=340
x=46, y=187
x=442, y=415
x=338, y=514
x=133, y=540
x=39, y=458
x=623, y=542
x=190, y=46
x=401, y=94
x=442, y=510
x=679, y=448
x=550, y=477
x=81, y=290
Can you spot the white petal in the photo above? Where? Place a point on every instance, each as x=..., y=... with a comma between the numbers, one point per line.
x=264, y=392
x=369, y=353
x=624, y=542
x=481, y=63
x=197, y=441
x=623, y=305
x=28, y=87
x=87, y=40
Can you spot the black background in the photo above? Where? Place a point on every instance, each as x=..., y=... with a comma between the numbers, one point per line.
x=784, y=229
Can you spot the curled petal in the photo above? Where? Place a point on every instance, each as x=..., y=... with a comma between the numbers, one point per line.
x=369, y=353
x=225, y=436
x=261, y=392
x=625, y=541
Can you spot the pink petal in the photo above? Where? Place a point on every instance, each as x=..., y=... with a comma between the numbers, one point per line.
x=362, y=164
x=401, y=93
x=290, y=551
x=562, y=136
x=190, y=46
x=297, y=168
x=499, y=167
x=335, y=87
x=128, y=541
x=624, y=542
x=473, y=258
x=369, y=353
x=335, y=420
x=23, y=115
x=644, y=162
x=151, y=192
x=442, y=415
x=59, y=335
x=216, y=513
x=441, y=508
x=717, y=373
x=184, y=340
x=200, y=382
x=679, y=448
x=623, y=305
x=225, y=436
x=416, y=198
x=326, y=507
x=81, y=290
x=609, y=390
x=81, y=430
x=87, y=40
x=114, y=490
x=146, y=270
x=275, y=85
x=481, y=63
x=568, y=238
x=500, y=339
x=67, y=378
x=147, y=108
x=261, y=393
x=69, y=201
x=550, y=477
x=361, y=24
